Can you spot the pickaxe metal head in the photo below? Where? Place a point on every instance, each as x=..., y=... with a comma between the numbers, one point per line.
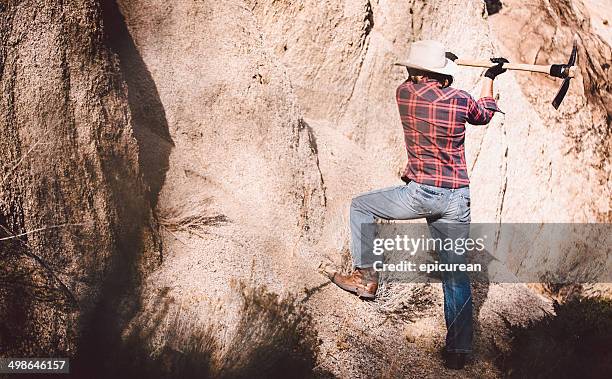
x=565, y=71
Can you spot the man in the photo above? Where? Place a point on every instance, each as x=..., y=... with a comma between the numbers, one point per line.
x=433, y=116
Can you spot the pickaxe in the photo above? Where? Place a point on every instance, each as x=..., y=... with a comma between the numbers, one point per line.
x=563, y=71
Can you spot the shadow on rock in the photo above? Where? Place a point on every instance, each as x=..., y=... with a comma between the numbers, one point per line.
x=119, y=298
x=148, y=114
x=574, y=343
x=272, y=337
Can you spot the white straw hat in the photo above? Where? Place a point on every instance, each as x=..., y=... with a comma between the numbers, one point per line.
x=429, y=56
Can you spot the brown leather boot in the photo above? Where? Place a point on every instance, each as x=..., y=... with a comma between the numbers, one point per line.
x=363, y=282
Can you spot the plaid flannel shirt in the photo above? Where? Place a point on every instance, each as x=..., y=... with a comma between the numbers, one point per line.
x=434, y=120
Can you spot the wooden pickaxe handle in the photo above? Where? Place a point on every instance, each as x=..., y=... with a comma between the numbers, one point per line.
x=545, y=69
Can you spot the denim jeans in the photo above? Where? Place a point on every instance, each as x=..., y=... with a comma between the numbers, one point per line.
x=444, y=208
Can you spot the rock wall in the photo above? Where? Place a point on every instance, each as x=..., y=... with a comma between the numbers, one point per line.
x=274, y=189
x=247, y=127
x=75, y=224
x=243, y=154
x=579, y=170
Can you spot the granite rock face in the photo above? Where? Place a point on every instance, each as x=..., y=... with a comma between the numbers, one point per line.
x=243, y=129
x=71, y=189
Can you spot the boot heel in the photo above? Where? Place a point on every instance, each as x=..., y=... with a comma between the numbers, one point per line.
x=365, y=295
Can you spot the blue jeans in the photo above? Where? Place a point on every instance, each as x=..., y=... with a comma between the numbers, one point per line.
x=444, y=208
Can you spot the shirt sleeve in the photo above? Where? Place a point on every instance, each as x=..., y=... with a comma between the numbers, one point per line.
x=481, y=111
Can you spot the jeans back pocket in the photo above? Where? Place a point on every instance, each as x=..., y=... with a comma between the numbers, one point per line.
x=428, y=199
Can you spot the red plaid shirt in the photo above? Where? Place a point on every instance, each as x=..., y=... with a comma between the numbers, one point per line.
x=434, y=129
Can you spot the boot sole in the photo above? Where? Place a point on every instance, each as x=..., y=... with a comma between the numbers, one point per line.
x=355, y=290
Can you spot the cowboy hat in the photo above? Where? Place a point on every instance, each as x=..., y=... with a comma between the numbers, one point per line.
x=429, y=56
